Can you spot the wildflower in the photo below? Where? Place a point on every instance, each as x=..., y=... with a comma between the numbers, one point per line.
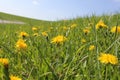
x=44, y=34
x=92, y=47
x=83, y=40
x=65, y=28
x=108, y=58
x=115, y=29
x=73, y=25
x=14, y=78
x=21, y=44
x=101, y=24
x=35, y=34
x=34, y=28
x=86, y=31
x=58, y=39
x=23, y=34
x=4, y=61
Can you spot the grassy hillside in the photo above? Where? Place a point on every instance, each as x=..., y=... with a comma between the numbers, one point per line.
x=85, y=48
x=5, y=16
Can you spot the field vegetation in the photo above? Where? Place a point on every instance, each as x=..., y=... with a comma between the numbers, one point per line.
x=85, y=48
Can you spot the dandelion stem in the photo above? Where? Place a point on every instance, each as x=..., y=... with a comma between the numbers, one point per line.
x=106, y=72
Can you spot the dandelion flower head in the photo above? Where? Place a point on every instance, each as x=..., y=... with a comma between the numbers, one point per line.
x=101, y=24
x=108, y=58
x=44, y=33
x=73, y=25
x=35, y=34
x=92, y=47
x=65, y=28
x=59, y=39
x=83, y=40
x=86, y=31
x=115, y=29
x=34, y=28
x=4, y=61
x=20, y=44
x=23, y=34
x=14, y=78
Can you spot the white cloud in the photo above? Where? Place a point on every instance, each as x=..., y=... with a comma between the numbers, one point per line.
x=35, y=2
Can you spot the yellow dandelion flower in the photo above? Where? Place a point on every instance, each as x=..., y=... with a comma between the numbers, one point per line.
x=91, y=47
x=4, y=61
x=101, y=24
x=20, y=44
x=115, y=29
x=59, y=39
x=73, y=25
x=35, y=34
x=65, y=28
x=44, y=33
x=86, y=31
x=34, y=28
x=83, y=40
x=23, y=34
x=108, y=58
x=14, y=78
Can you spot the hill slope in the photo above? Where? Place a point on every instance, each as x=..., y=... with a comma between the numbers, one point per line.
x=6, y=16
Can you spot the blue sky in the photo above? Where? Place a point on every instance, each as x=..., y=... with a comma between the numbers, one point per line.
x=59, y=9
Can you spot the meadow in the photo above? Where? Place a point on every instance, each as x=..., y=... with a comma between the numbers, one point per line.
x=85, y=48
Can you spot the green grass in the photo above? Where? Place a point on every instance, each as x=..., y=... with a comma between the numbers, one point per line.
x=72, y=60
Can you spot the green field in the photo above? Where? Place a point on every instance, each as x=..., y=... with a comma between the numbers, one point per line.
x=35, y=53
